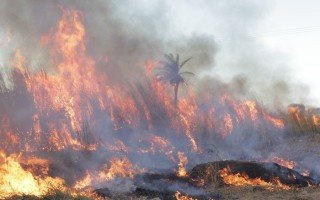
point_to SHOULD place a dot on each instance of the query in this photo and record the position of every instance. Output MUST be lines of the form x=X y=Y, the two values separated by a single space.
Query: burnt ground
x=265 y=171
x=198 y=185
x=162 y=186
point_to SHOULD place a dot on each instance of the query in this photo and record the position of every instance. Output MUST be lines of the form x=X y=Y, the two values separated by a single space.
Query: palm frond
x=177 y=60
x=166 y=64
x=169 y=69
x=170 y=58
x=184 y=62
x=188 y=73
x=169 y=72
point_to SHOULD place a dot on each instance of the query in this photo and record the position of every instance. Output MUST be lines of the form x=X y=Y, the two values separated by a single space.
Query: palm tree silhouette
x=170 y=72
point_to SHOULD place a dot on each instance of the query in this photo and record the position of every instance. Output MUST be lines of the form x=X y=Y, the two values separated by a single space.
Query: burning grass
x=226 y=193
x=76 y=127
x=52 y=195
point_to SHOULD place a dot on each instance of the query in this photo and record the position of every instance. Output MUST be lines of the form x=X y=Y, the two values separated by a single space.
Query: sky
x=287 y=29
x=293 y=27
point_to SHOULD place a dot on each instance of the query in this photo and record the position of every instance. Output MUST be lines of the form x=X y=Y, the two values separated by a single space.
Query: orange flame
x=303 y=118
x=118 y=168
x=276 y=122
x=65 y=100
x=15 y=180
x=182 y=172
x=243 y=179
x=282 y=162
x=179 y=196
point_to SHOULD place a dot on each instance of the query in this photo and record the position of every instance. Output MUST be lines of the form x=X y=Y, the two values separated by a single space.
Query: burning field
x=84 y=126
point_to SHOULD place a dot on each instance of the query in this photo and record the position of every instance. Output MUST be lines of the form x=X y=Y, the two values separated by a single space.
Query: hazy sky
x=287 y=29
x=293 y=27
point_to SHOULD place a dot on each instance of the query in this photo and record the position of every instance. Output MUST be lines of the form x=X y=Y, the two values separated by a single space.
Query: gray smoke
x=215 y=33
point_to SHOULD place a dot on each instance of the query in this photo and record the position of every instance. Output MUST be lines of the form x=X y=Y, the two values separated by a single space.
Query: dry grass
x=258 y=192
x=227 y=193
x=51 y=195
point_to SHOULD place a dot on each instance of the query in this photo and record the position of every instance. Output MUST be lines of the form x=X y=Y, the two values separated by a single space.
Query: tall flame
x=75 y=107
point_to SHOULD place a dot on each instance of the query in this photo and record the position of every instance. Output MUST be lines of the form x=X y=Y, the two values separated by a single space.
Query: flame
x=282 y=162
x=182 y=197
x=73 y=103
x=238 y=179
x=228 y=125
x=243 y=179
x=187 y=113
x=276 y=122
x=252 y=109
x=315 y=119
x=61 y=91
x=303 y=119
x=241 y=113
x=179 y=196
x=118 y=168
x=85 y=182
x=276 y=181
x=182 y=172
x=16 y=180
x=119 y=146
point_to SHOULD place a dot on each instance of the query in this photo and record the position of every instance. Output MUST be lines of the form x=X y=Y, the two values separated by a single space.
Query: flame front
x=243 y=179
x=16 y=180
x=74 y=107
x=303 y=119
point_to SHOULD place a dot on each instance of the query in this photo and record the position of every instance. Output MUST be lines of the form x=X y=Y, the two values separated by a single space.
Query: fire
x=182 y=172
x=16 y=180
x=276 y=181
x=157 y=144
x=243 y=179
x=188 y=110
x=118 y=168
x=85 y=182
x=276 y=122
x=286 y=163
x=252 y=109
x=303 y=119
x=238 y=114
x=179 y=196
x=61 y=91
x=75 y=107
x=228 y=125
x=238 y=179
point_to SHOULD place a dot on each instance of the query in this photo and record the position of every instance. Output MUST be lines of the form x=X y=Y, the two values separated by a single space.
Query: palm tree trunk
x=176 y=86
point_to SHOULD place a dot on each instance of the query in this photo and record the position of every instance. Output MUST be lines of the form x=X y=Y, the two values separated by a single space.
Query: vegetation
x=169 y=72
x=51 y=195
x=261 y=192
x=227 y=193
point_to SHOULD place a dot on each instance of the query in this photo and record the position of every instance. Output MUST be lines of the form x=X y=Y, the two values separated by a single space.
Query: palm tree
x=170 y=72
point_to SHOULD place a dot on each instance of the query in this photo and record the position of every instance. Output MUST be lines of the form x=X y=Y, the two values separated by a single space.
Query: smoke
x=216 y=34
x=122 y=36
